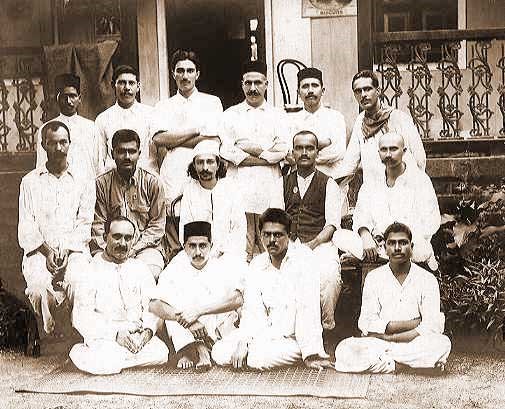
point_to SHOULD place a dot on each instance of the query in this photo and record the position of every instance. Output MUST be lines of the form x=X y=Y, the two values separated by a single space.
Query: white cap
x=206 y=147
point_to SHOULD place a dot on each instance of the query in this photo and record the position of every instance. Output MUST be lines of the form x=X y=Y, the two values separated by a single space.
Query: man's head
x=275 y=226
x=126 y=84
x=305 y=149
x=55 y=139
x=398 y=239
x=206 y=164
x=391 y=149
x=126 y=151
x=119 y=237
x=254 y=82
x=68 y=93
x=198 y=243
x=185 y=67
x=365 y=86
x=310 y=87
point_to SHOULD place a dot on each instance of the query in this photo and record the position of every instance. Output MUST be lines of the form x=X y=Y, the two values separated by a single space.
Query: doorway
x=221 y=32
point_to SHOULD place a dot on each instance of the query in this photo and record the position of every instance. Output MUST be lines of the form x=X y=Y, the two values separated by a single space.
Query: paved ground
x=472 y=380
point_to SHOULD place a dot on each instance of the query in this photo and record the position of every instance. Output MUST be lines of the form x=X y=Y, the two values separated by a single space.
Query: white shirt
x=113 y=297
x=331 y=203
x=222 y=208
x=81 y=152
x=285 y=302
x=138 y=118
x=58 y=211
x=201 y=111
x=366 y=152
x=265 y=126
x=385 y=300
x=326 y=124
x=412 y=201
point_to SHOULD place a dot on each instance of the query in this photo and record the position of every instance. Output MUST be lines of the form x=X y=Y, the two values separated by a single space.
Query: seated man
x=312 y=199
x=400 y=315
x=197 y=297
x=281 y=320
x=111 y=309
x=212 y=198
x=55 y=214
x=406 y=195
x=136 y=193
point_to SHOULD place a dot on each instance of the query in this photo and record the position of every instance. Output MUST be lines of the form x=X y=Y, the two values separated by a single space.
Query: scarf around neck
x=374 y=123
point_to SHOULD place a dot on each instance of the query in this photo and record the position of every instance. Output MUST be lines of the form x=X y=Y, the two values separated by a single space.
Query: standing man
x=126 y=113
x=400 y=315
x=179 y=123
x=55 y=215
x=131 y=191
x=281 y=321
x=81 y=153
x=112 y=309
x=375 y=120
x=311 y=199
x=210 y=197
x=254 y=135
x=198 y=296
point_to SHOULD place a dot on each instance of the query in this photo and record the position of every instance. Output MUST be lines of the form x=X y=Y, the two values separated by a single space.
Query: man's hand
x=188 y=317
x=198 y=330
x=315 y=362
x=250 y=148
x=370 y=251
x=145 y=336
x=312 y=244
x=51 y=262
x=239 y=357
x=384 y=337
x=127 y=339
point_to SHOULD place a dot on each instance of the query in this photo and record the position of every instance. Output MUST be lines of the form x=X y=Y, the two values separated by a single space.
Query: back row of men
x=186 y=140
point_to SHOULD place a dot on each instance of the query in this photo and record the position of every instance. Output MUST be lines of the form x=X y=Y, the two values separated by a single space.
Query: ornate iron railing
x=468 y=74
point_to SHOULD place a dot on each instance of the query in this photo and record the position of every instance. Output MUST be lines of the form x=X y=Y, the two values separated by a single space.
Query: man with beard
x=375 y=120
x=281 y=321
x=198 y=296
x=210 y=197
x=55 y=215
x=254 y=137
x=81 y=154
x=404 y=194
x=111 y=309
x=400 y=317
x=126 y=113
x=310 y=198
x=136 y=193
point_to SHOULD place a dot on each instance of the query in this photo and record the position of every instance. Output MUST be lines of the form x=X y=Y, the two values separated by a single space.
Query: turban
x=206 y=147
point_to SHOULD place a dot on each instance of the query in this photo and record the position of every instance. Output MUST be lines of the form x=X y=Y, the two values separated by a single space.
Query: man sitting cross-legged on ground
x=111 y=309
x=281 y=320
x=400 y=315
x=312 y=199
x=197 y=296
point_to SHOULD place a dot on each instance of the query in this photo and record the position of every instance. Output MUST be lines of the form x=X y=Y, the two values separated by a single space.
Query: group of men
x=110 y=204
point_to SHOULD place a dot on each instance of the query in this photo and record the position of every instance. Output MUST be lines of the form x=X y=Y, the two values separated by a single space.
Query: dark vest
x=307 y=214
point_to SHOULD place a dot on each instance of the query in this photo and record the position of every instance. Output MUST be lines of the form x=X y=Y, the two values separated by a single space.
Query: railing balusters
x=24 y=108
x=4 y=107
x=501 y=89
x=390 y=78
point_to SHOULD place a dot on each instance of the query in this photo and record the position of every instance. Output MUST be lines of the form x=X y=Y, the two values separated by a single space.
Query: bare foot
x=204 y=363
x=184 y=363
x=189 y=356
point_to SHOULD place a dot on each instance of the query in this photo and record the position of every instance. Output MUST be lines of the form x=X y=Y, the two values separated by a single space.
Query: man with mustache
x=81 y=153
x=375 y=120
x=311 y=199
x=112 y=308
x=179 y=123
x=400 y=317
x=210 y=197
x=55 y=215
x=281 y=321
x=136 y=193
x=126 y=113
x=404 y=194
x=254 y=136
x=198 y=296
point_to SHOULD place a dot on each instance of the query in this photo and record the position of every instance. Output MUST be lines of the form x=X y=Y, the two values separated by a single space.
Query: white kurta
x=81 y=152
x=385 y=300
x=281 y=318
x=183 y=286
x=201 y=111
x=265 y=126
x=222 y=208
x=138 y=118
x=365 y=153
x=114 y=297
